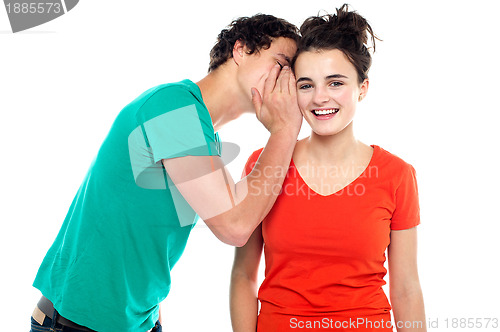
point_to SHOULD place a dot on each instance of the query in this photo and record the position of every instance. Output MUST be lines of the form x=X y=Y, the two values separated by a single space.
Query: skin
x=327 y=80
x=232 y=210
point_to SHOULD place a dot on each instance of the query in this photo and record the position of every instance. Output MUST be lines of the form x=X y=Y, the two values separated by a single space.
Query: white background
x=432 y=101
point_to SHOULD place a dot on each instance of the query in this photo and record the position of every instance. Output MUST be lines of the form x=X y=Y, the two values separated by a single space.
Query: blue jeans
x=50 y=325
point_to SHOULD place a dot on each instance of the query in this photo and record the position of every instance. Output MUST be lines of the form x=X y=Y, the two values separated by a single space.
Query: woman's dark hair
x=254 y=32
x=346 y=31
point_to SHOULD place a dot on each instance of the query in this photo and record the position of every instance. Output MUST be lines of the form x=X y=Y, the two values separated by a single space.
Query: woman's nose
x=321 y=95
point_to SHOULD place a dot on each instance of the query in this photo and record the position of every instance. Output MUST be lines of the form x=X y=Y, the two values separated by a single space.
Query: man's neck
x=222 y=96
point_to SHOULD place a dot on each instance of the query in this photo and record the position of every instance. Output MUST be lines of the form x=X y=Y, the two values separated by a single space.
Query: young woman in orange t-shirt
x=343 y=204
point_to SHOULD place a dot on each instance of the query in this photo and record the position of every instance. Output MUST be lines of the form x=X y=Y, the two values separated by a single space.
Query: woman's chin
x=324 y=132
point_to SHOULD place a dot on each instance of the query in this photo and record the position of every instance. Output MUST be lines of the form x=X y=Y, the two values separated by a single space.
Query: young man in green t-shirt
x=157 y=170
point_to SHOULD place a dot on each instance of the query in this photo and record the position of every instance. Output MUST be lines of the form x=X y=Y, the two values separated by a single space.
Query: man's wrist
x=286 y=133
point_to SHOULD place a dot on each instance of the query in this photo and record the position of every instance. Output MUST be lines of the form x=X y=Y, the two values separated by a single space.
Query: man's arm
x=233 y=210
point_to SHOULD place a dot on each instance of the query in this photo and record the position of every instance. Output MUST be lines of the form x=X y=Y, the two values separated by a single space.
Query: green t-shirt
x=109 y=267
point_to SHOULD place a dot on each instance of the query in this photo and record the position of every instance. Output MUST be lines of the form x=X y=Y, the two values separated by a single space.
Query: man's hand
x=277 y=109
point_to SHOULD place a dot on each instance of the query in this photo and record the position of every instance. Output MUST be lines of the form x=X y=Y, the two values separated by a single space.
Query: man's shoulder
x=174 y=90
x=165 y=98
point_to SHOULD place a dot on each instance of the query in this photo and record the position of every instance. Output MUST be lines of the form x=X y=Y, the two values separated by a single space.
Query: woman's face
x=327 y=90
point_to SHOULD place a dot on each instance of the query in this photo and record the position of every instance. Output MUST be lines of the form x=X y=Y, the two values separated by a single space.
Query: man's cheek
x=262 y=82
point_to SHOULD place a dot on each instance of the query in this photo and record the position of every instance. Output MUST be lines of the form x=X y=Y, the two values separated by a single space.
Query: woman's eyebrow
x=335 y=76
x=329 y=77
x=303 y=79
x=326 y=78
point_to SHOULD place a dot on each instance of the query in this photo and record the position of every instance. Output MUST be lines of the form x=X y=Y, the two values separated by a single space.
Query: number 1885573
x=34 y=8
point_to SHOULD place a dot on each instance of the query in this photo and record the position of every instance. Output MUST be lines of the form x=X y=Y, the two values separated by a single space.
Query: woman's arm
x=243 y=291
x=405 y=292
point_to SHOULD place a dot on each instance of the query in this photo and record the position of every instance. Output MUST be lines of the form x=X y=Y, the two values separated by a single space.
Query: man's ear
x=238 y=51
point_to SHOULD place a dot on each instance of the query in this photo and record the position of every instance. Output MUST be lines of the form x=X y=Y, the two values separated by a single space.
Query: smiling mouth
x=324 y=112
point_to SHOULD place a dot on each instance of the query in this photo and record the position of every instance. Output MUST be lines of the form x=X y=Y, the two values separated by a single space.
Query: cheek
x=347 y=98
x=260 y=77
x=263 y=69
x=303 y=101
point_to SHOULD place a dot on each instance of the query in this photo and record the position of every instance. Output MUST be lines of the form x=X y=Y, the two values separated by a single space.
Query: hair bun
x=350 y=23
x=344 y=24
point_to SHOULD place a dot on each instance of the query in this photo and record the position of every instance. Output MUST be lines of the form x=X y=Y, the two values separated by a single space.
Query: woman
x=343 y=203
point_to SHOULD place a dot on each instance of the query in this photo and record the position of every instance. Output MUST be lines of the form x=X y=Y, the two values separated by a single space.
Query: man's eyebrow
x=285 y=57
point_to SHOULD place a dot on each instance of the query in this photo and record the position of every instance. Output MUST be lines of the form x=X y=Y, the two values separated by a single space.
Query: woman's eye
x=279 y=63
x=305 y=86
x=335 y=84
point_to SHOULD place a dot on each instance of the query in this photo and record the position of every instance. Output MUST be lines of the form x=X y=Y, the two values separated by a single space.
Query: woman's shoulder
x=391 y=163
x=255 y=155
x=251 y=161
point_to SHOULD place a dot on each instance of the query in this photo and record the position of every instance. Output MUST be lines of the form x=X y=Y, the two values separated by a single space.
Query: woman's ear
x=238 y=51
x=363 y=89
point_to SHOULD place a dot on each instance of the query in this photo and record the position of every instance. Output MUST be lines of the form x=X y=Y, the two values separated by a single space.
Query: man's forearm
x=253 y=196
x=264 y=182
x=257 y=192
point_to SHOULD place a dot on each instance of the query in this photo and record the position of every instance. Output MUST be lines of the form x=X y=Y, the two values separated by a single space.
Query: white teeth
x=324 y=112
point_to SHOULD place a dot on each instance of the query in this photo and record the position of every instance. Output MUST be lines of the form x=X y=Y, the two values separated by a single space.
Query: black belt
x=47 y=308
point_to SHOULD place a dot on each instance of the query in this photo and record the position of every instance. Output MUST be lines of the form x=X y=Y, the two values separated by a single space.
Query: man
x=159 y=167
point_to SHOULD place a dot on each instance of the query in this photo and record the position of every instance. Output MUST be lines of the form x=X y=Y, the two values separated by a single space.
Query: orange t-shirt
x=325 y=254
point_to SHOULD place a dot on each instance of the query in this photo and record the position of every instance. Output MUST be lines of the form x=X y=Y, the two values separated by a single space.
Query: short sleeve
x=407 y=212
x=250 y=164
x=176 y=124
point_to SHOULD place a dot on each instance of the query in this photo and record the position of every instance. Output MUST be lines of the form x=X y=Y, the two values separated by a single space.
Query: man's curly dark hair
x=256 y=32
